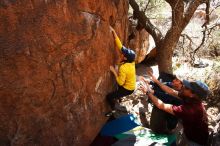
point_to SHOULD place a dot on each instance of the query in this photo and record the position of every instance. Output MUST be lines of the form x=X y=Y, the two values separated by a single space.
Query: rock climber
x=126 y=74
x=192 y=112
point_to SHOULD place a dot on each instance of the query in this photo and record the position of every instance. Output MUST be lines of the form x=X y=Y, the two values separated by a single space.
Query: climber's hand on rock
x=111 y=29
x=112 y=69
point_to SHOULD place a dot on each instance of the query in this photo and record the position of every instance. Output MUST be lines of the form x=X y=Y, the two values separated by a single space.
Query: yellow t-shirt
x=127 y=76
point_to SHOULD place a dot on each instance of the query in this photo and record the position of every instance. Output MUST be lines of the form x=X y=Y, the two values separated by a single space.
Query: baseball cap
x=128 y=53
x=199 y=88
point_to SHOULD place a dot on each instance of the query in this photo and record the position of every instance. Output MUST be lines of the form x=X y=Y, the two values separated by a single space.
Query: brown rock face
x=139 y=42
x=54 y=69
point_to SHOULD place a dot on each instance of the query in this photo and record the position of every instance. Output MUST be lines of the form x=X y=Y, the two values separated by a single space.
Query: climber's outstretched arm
x=117 y=40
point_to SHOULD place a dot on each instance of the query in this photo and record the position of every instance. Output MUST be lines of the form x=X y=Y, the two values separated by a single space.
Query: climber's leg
x=113 y=96
x=124 y=92
x=110 y=98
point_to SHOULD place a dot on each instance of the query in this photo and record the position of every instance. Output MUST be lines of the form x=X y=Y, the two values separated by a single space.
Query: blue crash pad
x=119 y=125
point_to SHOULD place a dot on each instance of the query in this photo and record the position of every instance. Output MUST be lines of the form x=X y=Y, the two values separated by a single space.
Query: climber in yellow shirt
x=126 y=74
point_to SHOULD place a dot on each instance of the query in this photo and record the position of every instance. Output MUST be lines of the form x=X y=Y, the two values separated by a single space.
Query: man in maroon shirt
x=192 y=112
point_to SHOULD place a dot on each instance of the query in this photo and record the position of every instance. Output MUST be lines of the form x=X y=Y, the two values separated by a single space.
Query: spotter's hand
x=153 y=78
x=144 y=79
x=143 y=89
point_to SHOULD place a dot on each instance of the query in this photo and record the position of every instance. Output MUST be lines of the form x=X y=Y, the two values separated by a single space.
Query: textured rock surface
x=54 y=69
x=139 y=42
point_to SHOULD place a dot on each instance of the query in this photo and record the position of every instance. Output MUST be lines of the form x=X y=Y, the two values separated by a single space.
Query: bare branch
x=182 y=46
x=145 y=22
x=203 y=40
x=189 y=38
x=207 y=13
x=192 y=54
x=177 y=7
x=211 y=28
x=214 y=9
x=185 y=36
x=147 y=5
x=190 y=9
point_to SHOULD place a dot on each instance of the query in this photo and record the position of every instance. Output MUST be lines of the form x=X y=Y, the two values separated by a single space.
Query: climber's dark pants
x=119 y=93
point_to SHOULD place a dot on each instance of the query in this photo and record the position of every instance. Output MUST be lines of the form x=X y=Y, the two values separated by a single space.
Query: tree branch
x=189 y=38
x=214 y=9
x=145 y=22
x=190 y=9
x=170 y=1
x=147 y=5
x=207 y=13
x=192 y=54
x=177 y=14
x=211 y=28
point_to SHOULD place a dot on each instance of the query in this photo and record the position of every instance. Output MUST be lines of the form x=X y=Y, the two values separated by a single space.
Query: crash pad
x=119 y=125
x=146 y=136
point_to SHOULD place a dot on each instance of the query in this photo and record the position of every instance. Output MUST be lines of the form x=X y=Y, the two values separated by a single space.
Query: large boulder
x=54 y=69
x=138 y=41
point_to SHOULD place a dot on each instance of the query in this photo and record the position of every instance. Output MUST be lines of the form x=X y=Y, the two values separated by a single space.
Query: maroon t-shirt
x=194 y=119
